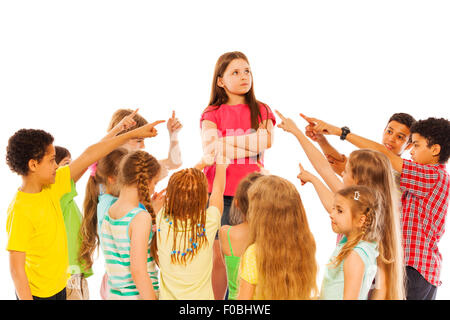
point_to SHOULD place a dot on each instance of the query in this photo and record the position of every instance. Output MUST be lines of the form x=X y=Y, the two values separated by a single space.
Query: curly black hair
x=435 y=131
x=24 y=145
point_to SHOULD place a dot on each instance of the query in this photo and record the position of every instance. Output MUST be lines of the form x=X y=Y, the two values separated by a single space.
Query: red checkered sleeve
x=425 y=192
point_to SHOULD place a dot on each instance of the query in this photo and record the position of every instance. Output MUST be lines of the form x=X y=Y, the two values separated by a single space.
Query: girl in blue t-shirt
x=355 y=213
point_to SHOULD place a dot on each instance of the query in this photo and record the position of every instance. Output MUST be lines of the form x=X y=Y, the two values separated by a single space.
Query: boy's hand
x=319 y=126
x=309 y=132
x=173 y=124
x=338 y=165
x=147 y=131
x=286 y=124
x=304 y=176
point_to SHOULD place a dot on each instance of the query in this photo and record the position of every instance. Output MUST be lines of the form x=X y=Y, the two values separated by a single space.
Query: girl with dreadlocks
x=186 y=231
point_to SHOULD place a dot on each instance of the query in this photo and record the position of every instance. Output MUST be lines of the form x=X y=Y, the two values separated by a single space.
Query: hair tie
x=93 y=168
x=357 y=195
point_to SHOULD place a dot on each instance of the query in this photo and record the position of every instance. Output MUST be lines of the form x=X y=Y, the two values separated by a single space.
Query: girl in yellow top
x=186 y=232
x=280 y=263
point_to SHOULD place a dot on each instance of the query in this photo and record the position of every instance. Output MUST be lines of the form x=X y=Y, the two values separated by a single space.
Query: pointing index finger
x=157 y=122
x=280 y=115
x=134 y=113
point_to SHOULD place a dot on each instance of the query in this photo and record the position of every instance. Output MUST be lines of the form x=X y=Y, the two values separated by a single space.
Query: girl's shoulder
x=367 y=250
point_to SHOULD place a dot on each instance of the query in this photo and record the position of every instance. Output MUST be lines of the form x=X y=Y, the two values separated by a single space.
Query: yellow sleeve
x=62 y=183
x=19 y=229
x=249 y=271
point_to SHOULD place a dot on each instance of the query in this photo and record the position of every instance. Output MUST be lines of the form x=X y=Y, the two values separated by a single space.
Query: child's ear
x=32 y=165
x=408 y=146
x=220 y=82
x=111 y=180
x=436 y=150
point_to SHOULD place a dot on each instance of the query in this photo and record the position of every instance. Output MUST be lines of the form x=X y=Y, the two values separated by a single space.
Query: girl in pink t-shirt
x=239 y=127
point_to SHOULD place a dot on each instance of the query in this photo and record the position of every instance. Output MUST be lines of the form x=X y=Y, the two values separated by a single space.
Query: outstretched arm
x=334 y=157
x=173 y=160
x=316 y=158
x=325 y=194
x=360 y=142
x=216 y=198
x=102 y=148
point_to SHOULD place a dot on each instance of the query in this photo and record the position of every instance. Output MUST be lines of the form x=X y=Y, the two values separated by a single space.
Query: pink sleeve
x=267 y=113
x=209 y=114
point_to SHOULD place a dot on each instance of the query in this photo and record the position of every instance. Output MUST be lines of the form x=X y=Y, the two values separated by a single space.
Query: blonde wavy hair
x=373 y=169
x=285 y=246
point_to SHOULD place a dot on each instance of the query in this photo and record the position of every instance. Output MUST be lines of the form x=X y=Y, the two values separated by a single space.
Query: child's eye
x=247 y=71
x=401 y=137
x=235 y=72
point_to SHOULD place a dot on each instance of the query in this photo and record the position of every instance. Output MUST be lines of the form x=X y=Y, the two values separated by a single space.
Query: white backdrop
x=66 y=66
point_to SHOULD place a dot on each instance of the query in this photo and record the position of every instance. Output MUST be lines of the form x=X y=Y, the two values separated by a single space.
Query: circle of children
x=227 y=228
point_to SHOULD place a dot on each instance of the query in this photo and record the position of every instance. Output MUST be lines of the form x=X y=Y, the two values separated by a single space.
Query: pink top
x=234 y=121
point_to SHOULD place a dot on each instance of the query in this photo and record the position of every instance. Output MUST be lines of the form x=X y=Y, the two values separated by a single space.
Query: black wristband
x=345 y=132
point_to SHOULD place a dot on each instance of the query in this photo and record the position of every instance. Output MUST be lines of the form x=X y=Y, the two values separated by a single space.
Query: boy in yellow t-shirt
x=37 y=241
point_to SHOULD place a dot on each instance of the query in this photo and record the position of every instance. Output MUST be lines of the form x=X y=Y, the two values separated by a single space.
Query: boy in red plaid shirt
x=425 y=185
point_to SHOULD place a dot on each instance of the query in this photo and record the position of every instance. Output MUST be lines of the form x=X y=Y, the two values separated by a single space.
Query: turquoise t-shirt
x=333 y=281
x=72 y=221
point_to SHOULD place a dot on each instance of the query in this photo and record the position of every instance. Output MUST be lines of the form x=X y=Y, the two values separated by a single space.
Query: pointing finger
x=280 y=115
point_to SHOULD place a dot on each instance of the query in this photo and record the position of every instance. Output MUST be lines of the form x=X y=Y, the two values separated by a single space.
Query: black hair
x=435 y=131
x=403 y=118
x=61 y=153
x=25 y=145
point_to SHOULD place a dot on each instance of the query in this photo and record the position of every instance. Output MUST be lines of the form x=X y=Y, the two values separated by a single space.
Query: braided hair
x=139 y=167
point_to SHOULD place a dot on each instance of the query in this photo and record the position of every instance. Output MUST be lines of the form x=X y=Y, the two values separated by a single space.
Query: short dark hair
x=61 y=153
x=435 y=131
x=24 y=145
x=403 y=118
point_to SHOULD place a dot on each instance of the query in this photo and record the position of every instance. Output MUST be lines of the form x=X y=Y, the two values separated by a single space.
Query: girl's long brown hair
x=219 y=96
x=185 y=206
x=373 y=169
x=107 y=167
x=366 y=202
x=239 y=212
x=285 y=246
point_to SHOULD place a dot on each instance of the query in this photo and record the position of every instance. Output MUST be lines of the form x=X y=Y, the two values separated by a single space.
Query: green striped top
x=115 y=244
